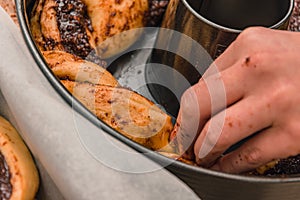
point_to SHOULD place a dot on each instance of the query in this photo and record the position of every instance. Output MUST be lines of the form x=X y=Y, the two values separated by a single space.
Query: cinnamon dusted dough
x=10 y=7
x=110 y=26
x=24 y=176
x=125 y=111
x=107 y=26
x=115 y=23
x=68 y=66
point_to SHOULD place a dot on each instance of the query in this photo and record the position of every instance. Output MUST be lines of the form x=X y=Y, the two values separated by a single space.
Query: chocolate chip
x=285 y=167
x=5 y=185
x=72 y=21
x=294 y=24
x=156 y=10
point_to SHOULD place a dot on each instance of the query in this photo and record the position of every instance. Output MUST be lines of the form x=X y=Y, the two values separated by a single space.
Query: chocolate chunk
x=5 y=185
x=294 y=24
x=285 y=167
x=156 y=10
x=73 y=21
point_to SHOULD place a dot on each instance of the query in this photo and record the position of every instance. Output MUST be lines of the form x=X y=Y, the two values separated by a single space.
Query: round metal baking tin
x=207 y=184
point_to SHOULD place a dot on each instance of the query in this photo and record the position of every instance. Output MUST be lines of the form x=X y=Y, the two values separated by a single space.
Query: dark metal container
x=207 y=184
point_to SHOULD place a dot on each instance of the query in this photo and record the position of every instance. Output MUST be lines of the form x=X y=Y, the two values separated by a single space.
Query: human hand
x=253 y=87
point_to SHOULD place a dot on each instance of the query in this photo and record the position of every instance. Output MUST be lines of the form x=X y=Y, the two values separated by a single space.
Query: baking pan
x=207 y=184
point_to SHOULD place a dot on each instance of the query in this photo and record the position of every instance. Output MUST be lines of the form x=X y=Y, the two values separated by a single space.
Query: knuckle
x=255 y=60
x=189 y=97
x=190 y=103
x=251 y=35
x=186 y=96
x=252 y=31
x=253 y=156
x=259 y=61
x=279 y=97
x=255 y=30
x=256 y=57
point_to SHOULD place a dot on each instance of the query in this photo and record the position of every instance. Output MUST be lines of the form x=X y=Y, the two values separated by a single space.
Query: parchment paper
x=76 y=159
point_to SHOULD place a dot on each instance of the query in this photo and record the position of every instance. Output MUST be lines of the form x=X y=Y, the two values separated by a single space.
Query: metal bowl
x=207 y=184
